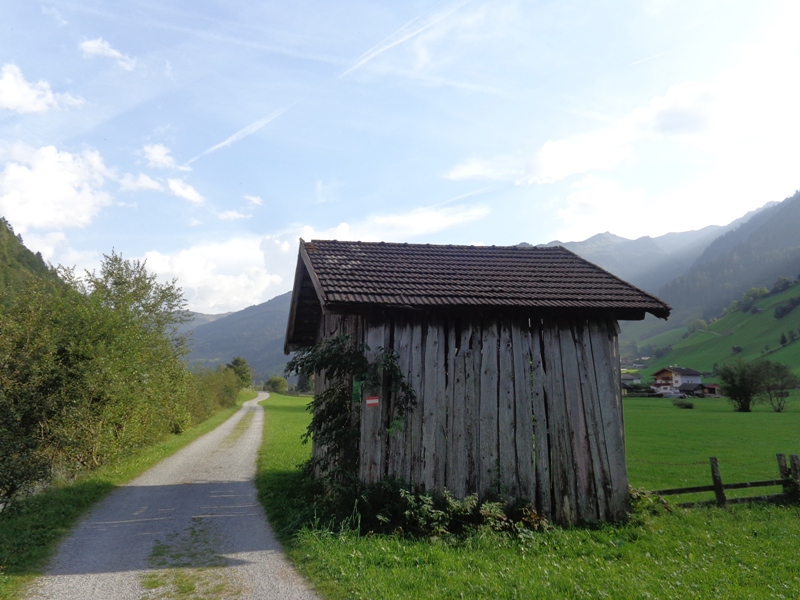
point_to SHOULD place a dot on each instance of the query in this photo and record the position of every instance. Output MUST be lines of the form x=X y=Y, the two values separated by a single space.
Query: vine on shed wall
x=335 y=411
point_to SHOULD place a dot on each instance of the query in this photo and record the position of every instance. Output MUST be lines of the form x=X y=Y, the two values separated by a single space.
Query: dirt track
x=191 y=525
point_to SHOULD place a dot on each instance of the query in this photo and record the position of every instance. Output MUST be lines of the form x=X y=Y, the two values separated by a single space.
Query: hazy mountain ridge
x=647 y=262
x=754 y=254
x=255 y=333
x=197 y=319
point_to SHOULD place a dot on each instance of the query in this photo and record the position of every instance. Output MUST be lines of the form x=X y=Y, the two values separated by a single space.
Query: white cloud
x=494 y=169
x=54 y=14
x=184 y=190
x=420 y=221
x=159 y=156
x=129 y=183
x=223 y=276
x=598 y=204
x=326 y=192
x=232 y=215
x=254 y=200
x=56 y=249
x=19 y=96
x=681 y=114
x=101 y=48
x=229 y=274
x=44 y=188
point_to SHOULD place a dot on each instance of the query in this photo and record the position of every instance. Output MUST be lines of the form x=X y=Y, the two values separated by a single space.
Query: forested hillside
x=769 y=327
x=753 y=255
x=17 y=264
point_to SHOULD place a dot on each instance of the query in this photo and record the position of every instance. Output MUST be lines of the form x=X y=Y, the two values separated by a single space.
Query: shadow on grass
x=284 y=495
x=285 y=409
x=30 y=527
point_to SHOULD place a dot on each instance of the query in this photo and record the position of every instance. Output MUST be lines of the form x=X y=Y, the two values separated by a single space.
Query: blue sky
x=207 y=136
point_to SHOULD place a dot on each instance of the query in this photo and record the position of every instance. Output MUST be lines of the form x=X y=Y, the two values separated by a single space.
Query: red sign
x=373 y=400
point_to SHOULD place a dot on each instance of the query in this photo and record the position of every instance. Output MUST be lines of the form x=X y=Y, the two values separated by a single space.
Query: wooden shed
x=512 y=352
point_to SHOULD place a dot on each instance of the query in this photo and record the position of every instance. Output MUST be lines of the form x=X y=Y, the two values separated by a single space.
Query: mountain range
x=698 y=273
x=651 y=263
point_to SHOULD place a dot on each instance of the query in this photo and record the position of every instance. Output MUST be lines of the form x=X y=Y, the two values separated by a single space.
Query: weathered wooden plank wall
x=519 y=407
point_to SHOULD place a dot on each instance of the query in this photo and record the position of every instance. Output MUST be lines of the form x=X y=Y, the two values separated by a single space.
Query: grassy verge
x=30 y=530
x=741 y=552
x=670 y=447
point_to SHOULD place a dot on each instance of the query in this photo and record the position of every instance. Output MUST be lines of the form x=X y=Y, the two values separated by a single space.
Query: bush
x=391 y=507
x=276 y=384
x=211 y=390
x=784 y=309
x=682 y=403
x=92 y=370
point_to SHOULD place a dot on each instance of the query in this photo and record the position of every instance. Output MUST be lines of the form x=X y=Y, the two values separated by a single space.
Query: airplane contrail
x=244 y=132
x=398 y=37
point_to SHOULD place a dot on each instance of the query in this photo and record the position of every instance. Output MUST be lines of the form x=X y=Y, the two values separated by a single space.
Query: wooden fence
x=789 y=480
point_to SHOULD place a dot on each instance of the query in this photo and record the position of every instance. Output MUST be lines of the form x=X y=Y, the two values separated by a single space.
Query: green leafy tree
x=91 y=369
x=697 y=325
x=750 y=296
x=276 y=384
x=741 y=383
x=776 y=380
x=242 y=370
x=303 y=383
x=781 y=284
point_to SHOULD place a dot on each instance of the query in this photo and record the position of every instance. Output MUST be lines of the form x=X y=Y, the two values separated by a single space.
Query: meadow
x=745 y=551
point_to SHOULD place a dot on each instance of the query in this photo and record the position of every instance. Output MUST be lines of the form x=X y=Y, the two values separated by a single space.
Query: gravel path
x=190 y=527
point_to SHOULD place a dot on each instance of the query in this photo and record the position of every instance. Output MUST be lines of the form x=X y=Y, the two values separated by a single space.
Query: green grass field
x=738 y=552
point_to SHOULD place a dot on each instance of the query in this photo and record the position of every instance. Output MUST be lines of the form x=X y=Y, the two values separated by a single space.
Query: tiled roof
x=357 y=277
x=422 y=275
x=680 y=371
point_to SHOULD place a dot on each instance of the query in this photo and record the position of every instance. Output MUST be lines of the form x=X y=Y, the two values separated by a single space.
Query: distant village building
x=631 y=379
x=677 y=380
x=513 y=355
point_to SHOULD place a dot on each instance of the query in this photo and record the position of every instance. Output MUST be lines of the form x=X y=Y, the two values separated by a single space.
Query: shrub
x=784 y=309
x=276 y=384
x=92 y=370
x=682 y=403
x=392 y=507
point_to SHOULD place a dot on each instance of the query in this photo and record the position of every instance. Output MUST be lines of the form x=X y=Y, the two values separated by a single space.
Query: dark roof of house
x=679 y=371
x=353 y=277
x=690 y=387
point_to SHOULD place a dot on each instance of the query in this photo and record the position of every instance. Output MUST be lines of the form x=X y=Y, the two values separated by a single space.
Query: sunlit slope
x=756 y=334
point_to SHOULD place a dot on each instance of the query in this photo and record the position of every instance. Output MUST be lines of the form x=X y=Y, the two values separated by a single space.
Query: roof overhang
x=306 y=309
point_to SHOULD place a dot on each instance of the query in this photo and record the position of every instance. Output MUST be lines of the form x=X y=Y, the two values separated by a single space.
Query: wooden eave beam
x=303 y=272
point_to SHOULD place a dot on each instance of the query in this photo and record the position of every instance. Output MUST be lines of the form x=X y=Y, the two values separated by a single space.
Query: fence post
x=795 y=460
x=784 y=471
x=716 y=478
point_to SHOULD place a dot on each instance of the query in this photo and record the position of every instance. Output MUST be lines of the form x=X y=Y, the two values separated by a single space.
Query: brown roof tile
x=419 y=275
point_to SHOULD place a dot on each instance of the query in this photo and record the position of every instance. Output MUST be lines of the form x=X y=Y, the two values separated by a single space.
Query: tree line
x=91 y=368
